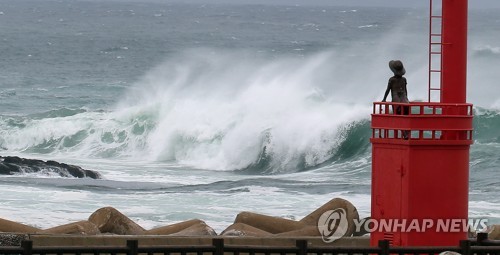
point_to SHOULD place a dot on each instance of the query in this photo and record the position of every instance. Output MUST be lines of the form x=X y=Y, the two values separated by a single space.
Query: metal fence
x=481 y=246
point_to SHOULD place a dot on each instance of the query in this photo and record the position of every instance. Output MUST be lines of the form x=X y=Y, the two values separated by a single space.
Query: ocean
x=206 y=110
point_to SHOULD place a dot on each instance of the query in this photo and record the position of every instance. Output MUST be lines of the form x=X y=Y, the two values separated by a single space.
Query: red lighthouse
x=420 y=184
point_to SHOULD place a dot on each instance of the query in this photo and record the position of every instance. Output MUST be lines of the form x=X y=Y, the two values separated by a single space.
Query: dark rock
x=7 y=169
x=13 y=160
x=92 y=174
x=14 y=165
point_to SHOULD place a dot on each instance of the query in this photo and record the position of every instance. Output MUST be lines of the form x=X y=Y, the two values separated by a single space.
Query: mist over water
x=221 y=110
x=231 y=110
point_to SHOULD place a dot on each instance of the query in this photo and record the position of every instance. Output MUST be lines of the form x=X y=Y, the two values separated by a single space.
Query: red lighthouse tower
x=420 y=184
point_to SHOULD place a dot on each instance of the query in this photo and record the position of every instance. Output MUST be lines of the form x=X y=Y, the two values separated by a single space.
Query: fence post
x=302 y=246
x=384 y=247
x=481 y=237
x=465 y=247
x=27 y=246
x=219 y=246
x=133 y=247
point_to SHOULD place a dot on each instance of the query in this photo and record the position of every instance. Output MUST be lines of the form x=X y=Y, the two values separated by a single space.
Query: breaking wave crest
x=221 y=111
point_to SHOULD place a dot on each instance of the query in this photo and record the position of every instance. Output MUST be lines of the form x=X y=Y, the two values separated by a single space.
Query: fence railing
x=481 y=246
x=422 y=122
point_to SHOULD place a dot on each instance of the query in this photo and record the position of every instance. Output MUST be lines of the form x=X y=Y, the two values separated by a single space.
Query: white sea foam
x=225 y=110
x=218 y=110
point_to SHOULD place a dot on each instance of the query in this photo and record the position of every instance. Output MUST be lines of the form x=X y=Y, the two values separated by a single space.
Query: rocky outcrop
x=16 y=165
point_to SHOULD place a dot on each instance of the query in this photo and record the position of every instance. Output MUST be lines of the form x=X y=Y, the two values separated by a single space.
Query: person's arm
x=387 y=91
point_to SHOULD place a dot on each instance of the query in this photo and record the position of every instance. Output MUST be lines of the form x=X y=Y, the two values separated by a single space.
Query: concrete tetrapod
x=80 y=228
x=193 y=227
x=351 y=214
x=271 y=224
x=241 y=229
x=110 y=220
x=14 y=227
x=494 y=233
x=255 y=224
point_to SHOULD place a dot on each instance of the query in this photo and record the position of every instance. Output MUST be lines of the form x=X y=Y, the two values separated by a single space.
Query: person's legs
x=406 y=110
x=398 y=109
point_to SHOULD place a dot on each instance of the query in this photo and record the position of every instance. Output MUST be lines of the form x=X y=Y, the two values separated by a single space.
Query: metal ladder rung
x=435 y=39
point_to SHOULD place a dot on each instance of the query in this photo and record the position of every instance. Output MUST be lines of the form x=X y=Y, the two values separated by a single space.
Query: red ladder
x=435 y=47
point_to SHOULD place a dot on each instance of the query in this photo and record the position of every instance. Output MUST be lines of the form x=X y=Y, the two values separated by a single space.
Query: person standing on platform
x=397 y=87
